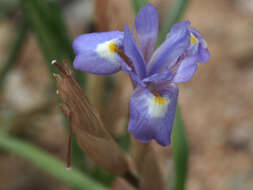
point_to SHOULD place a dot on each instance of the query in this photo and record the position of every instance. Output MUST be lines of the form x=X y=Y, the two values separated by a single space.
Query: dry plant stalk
x=147 y=163
x=88 y=128
x=101 y=15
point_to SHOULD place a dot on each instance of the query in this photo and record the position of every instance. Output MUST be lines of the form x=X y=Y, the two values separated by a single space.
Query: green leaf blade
x=180 y=152
x=43 y=160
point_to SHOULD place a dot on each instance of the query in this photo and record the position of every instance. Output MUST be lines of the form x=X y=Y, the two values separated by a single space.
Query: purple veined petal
x=132 y=52
x=152 y=117
x=159 y=78
x=95 y=52
x=90 y=41
x=146 y=24
x=175 y=45
x=185 y=70
x=202 y=51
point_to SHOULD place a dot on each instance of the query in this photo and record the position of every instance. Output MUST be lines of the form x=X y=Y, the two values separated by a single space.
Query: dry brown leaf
x=88 y=128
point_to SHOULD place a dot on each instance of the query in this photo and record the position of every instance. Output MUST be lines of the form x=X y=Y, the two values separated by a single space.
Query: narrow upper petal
x=132 y=52
x=199 y=46
x=152 y=117
x=175 y=45
x=95 y=52
x=146 y=24
x=185 y=70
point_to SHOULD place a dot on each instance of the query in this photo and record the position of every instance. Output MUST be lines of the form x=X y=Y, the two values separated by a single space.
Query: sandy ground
x=217 y=103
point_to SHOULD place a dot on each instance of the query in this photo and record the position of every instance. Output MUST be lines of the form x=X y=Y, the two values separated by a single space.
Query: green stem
x=73 y=178
x=180 y=152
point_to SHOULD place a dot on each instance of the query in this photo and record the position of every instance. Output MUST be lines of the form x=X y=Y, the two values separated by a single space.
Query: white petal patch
x=106 y=50
x=157 y=106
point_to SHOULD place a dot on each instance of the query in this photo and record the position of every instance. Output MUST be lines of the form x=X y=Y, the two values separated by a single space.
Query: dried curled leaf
x=87 y=126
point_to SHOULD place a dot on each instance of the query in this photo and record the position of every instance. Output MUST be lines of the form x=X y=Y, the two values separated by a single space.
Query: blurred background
x=216 y=104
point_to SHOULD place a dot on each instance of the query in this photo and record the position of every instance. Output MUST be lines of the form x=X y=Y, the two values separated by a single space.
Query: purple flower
x=153 y=73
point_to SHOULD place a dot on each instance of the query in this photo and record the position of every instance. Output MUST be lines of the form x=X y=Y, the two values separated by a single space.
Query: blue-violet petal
x=152 y=117
x=146 y=24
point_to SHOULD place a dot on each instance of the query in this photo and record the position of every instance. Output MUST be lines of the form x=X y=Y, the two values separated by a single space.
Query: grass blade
x=46 y=20
x=43 y=160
